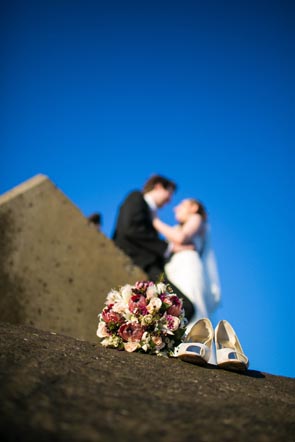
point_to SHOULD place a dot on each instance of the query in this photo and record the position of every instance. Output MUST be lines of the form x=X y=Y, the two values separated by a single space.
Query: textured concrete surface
x=55 y=268
x=56 y=388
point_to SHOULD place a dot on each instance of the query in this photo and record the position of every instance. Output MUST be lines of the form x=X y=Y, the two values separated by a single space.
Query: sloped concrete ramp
x=55 y=268
x=57 y=388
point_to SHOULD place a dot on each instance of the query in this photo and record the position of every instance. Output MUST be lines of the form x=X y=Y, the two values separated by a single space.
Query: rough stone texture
x=56 y=388
x=55 y=268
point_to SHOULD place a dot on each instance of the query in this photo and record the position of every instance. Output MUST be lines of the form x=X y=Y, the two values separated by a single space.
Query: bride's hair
x=201 y=208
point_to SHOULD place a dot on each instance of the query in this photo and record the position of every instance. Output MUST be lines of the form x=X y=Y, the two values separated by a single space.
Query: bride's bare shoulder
x=193 y=224
x=194 y=219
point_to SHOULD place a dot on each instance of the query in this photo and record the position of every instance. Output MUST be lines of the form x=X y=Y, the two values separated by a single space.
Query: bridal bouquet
x=145 y=317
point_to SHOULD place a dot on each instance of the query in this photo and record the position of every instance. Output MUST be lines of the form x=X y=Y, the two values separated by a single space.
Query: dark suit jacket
x=135 y=234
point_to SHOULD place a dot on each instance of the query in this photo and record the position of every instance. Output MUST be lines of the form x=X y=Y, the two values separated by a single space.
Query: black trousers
x=155 y=274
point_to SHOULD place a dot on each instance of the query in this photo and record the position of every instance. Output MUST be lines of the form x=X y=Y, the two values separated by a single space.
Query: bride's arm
x=180 y=235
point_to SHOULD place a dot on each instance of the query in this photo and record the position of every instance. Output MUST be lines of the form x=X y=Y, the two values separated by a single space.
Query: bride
x=194 y=272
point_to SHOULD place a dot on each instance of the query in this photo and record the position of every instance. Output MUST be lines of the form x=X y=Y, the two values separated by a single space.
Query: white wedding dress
x=195 y=273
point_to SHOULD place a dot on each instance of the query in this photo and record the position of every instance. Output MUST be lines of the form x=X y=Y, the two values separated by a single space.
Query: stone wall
x=55 y=268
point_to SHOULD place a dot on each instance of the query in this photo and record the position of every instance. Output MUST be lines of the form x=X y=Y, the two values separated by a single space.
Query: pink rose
x=102 y=330
x=176 y=307
x=154 y=305
x=166 y=299
x=131 y=332
x=172 y=322
x=130 y=346
x=137 y=304
x=108 y=315
x=158 y=341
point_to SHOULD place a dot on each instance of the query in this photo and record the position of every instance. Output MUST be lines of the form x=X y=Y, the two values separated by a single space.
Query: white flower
x=154 y=305
x=145 y=339
x=119 y=307
x=131 y=317
x=112 y=341
x=113 y=296
x=151 y=291
x=147 y=319
x=161 y=287
x=121 y=299
x=126 y=292
x=106 y=342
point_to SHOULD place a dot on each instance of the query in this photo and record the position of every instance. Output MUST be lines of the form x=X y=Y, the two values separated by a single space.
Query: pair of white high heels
x=197 y=346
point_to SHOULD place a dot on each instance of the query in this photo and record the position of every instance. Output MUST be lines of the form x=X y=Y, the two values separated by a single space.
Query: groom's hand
x=181 y=247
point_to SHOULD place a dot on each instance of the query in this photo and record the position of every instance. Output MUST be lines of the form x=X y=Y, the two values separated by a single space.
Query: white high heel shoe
x=229 y=352
x=197 y=345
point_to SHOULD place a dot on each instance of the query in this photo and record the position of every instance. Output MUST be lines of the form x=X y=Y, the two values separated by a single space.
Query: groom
x=136 y=236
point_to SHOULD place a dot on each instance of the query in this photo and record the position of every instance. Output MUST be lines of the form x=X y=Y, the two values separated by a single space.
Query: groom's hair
x=158 y=179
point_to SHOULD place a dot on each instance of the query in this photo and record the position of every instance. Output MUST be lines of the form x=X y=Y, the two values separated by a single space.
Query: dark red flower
x=137 y=304
x=131 y=332
x=108 y=315
x=176 y=307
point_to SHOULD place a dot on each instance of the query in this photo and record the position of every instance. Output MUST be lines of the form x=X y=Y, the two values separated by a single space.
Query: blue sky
x=98 y=95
